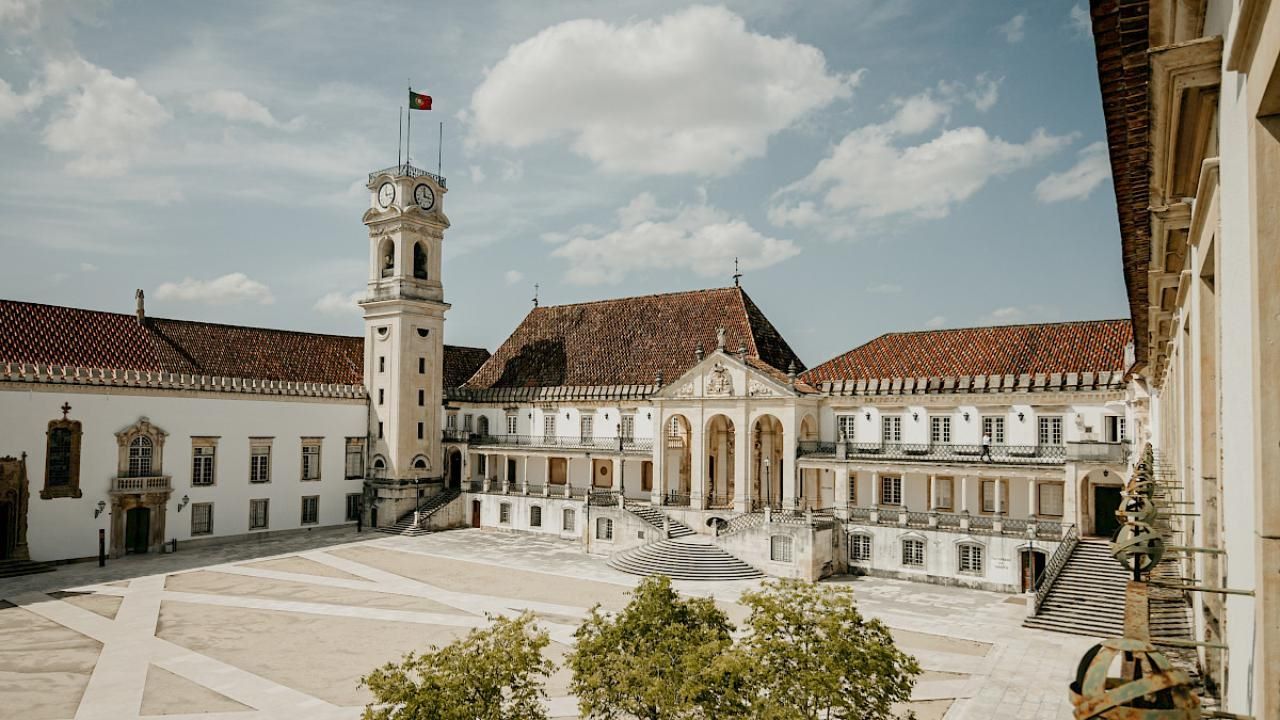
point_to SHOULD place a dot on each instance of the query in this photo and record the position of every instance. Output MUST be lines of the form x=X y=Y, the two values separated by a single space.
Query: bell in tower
x=404 y=312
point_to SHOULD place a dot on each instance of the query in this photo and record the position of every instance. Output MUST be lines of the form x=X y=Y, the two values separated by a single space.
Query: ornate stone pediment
x=719 y=382
x=724 y=375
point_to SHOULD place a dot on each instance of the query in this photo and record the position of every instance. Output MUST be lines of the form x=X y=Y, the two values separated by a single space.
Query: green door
x=137 y=528
x=1106 y=500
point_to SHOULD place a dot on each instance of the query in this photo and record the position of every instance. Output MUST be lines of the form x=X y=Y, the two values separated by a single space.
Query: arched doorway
x=455 y=470
x=718 y=482
x=766 y=461
x=8 y=528
x=1099 y=499
x=1032 y=563
x=678 y=462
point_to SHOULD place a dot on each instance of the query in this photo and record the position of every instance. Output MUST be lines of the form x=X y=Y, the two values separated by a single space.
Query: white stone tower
x=404 y=334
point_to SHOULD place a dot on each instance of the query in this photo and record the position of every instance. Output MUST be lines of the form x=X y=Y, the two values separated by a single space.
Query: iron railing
x=935 y=452
x=759 y=504
x=1055 y=565
x=719 y=502
x=603 y=498
x=675 y=499
x=590 y=444
x=407 y=170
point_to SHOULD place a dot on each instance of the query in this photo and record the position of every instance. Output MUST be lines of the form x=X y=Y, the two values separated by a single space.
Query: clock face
x=386 y=194
x=424 y=196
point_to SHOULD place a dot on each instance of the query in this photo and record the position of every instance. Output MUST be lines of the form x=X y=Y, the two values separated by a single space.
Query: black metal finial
x=535 y=294
x=66 y=410
x=737 y=275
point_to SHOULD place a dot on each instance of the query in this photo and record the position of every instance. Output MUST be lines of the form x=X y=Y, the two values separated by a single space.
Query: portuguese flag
x=418 y=101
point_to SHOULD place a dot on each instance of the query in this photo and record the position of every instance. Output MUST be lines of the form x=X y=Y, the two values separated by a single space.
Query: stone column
x=659 y=457
x=964 y=493
x=1031 y=497
x=697 y=460
x=616 y=480
x=933 y=491
x=842 y=492
x=876 y=500
x=741 y=465
x=999 y=500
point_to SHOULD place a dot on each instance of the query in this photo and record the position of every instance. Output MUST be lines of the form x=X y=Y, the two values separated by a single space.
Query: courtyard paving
x=284 y=628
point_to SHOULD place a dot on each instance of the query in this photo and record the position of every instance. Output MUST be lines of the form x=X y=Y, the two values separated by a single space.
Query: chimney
x=142 y=310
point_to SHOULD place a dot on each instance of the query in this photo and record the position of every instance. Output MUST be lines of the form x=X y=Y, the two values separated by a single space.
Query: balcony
x=627 y=446
x=1116 y=453
x=1038 y=528
x=141 y=485
x=933 y=452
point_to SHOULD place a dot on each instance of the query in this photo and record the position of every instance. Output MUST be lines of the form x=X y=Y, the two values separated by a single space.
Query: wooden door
x=1106 y=501
x=137 y=529
x=475 y=513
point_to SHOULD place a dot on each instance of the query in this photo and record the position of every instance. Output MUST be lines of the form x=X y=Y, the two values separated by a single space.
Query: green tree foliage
x=663 y=657
x=809 y=654
x=497 y=673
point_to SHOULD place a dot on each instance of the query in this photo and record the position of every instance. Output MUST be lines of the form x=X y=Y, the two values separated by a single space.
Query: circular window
x=423 y=332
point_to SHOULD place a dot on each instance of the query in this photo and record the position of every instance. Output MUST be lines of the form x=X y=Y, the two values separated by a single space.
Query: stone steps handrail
x=1054 y=567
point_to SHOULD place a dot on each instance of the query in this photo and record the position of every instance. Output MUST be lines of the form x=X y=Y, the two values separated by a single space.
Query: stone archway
x=766 y=462
x=121 y=504
x=15 y=492
x=678 y=463
x=1098 y=489
x=719 y=447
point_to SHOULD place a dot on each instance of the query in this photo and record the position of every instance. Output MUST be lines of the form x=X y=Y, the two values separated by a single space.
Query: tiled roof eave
x=553 y=393
x=977 y=384
x=177 y=382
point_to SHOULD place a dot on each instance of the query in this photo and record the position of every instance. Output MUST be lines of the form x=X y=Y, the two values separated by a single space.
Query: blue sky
x=877 y=166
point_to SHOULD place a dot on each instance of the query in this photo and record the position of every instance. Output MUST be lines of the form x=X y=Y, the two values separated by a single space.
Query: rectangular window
x=504 y=513
x=891 y=429
x=259 y=514
x=586 y=428
x=853 y=488
x=421 y=430
x=987 y=491
x=604 y=529
x=422 y=398
x=568 y=520
x=946 y=488
x=380 y=433
x=890 y=491
x=355 y=458
x=940 y=430
x=466 y=422
x=780 y=548
x=203 y=454
x=1114 y=425
x=451 y=421
x=860 y=548
x=845 y=427
x=259 y=461
x=422 y=366
x=627 y=430
x=511 y=424
x=970 y=559
x=481 y=464
x=311 y=460
x=382 y=396
x=382 y=363
x=535 y=516
x=557 y=471
x=310 y=509
x=913 y=552
x=201 y=518
x=353 y=507
x=1049 y=499
x=549 y=425
x=993 y=427
x=1051 y=430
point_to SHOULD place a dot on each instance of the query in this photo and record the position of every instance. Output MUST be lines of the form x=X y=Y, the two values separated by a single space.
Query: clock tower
x=404 y=311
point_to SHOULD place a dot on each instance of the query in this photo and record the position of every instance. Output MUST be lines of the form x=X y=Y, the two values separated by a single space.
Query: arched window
x=419 y=262
x=420 y=464
x=970 y=558
x=860 y=548
x=387 y=257
x=62 y=458
x=568 y=520
x=140 y=456
x=379 y=463
x=482 y=426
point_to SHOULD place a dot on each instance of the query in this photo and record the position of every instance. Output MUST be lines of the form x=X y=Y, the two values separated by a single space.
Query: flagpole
x=408 y=140
x=399 y=134
x=440 y=151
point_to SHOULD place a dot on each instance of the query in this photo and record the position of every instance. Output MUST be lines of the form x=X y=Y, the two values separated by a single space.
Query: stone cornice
x=978 y=384
x=159 y=381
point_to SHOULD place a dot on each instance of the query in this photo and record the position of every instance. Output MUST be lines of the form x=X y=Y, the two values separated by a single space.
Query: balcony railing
x=1102 y=452
x=146 y=484
x=958 y=522
x=934 y=452
x=407 y=170
x=634 y=446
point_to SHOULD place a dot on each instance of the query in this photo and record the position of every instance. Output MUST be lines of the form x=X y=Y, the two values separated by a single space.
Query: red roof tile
x=1090 y=346
x=628 y=341
x=54 y=335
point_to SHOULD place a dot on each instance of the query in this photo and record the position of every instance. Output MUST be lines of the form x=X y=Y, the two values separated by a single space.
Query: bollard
x=102 y=547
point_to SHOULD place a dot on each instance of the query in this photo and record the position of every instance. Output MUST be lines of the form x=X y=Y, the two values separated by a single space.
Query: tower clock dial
x=424 y=196
x=386 y=195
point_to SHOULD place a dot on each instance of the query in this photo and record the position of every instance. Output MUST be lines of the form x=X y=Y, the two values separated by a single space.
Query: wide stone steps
x=15 y=568
x=1088 y=596
x=656 y=518
x=405 y=525
x=683 y=560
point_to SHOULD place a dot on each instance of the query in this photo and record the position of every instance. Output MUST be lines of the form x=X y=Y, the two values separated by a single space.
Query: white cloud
x=1091 y=170
x=88 y=267
x=226 y=290
x=885 y=289
x=339 y=303
x=107 y=121
x=236 y=107
x=512 y=276
x=1079 y=21
x=697 y=238
x=512 y=170
x=477 y=174
x=919 y=113
x=12 y=103
x=1014 y=30
x=693 y=92
x=985 y=94
x=935 y=322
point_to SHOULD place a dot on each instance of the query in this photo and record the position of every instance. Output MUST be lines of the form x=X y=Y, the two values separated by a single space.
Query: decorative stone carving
x=719 y=383
x=685 y=390
x=15 y=491
x=755 y=388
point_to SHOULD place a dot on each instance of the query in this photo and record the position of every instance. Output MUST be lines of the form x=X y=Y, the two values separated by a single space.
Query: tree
x=495 y=673
x=810 y=654
x=660 y=658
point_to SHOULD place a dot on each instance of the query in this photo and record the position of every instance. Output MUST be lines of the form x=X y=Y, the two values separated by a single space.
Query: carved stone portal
x=15 y=492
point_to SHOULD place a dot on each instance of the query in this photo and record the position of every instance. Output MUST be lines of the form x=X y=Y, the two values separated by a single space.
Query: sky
x=875 y=165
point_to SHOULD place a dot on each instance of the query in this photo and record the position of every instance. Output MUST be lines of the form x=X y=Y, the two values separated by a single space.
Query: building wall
x=1001 y=567
x=65 y=528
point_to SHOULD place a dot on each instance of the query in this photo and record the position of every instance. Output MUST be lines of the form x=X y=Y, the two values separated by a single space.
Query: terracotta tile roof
x=54 y=335
x=628 y=341
x=1090 y=346
x=1121 y=41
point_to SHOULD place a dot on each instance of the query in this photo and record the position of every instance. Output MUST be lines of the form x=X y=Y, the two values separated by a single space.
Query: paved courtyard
x=285 y=628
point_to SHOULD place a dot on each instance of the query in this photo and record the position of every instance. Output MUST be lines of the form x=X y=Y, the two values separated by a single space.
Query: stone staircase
x=14 y=568
x=1088 y=596
x=689 y=558
x=405 y=525
x=656 y=518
